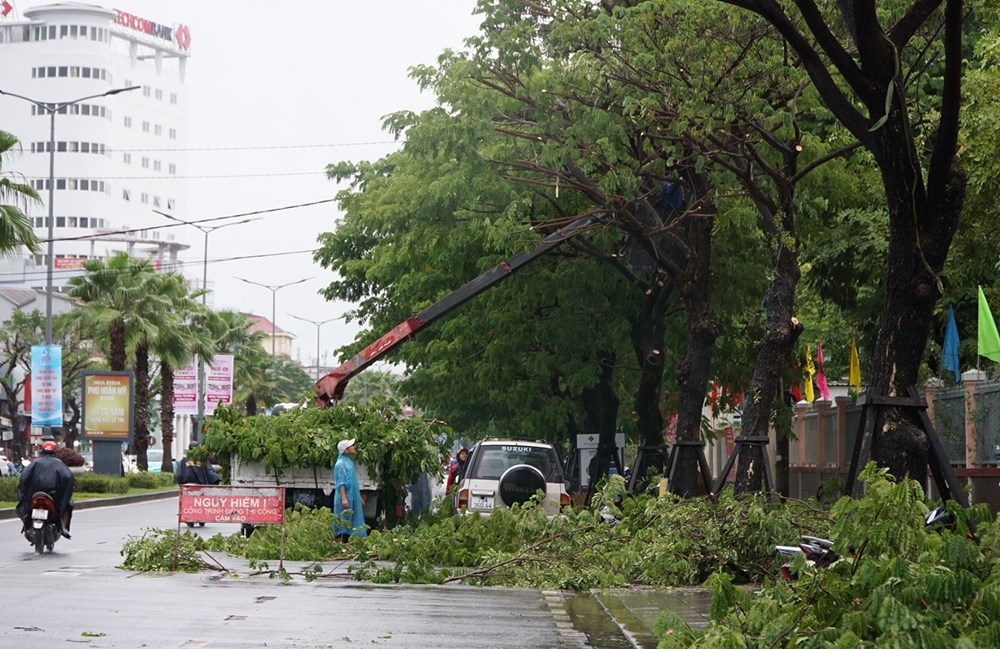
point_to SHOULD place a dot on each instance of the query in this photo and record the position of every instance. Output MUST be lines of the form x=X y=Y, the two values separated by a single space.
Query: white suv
x=500 y=473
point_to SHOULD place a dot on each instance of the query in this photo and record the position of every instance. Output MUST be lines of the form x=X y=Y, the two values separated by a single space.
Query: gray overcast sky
x=283 y=74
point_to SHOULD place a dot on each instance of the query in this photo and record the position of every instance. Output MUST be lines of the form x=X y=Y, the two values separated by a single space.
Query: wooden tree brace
x=873 y=417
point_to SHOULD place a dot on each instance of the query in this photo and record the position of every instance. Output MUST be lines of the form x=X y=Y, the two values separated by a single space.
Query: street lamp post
x=274 y=292
x=206 y=230
x=318 y=324
x=52 y=109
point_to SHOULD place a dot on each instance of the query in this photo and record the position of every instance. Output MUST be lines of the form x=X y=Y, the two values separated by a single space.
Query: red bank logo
x=183 y=36
x=182 y=33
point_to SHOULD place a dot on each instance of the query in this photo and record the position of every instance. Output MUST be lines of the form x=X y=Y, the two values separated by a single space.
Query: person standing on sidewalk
x=348 y=506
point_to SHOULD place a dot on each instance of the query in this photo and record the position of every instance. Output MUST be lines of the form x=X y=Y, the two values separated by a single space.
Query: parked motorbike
x=45 y=528
x=819 y=552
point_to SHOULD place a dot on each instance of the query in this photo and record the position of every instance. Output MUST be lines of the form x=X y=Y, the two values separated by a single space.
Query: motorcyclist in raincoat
x=191 y=471
x=47 y=473
x=348 y=506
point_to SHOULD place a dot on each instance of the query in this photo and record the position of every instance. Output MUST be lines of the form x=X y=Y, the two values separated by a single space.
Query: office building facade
x=118 y=159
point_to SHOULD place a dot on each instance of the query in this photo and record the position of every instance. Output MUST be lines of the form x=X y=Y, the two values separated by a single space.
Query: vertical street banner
x=219 y=382
x=107 y=405
x=46 y=383
x=186 y=389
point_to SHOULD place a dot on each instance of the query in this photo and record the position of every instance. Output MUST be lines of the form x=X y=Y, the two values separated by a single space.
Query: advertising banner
x=46 y=385
x=219 y=383
x=107 y=405
x=186 y=389
x=218 y=386
x=226 y=504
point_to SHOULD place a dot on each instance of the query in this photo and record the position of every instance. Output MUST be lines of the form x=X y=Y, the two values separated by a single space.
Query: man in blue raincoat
x=348 y=507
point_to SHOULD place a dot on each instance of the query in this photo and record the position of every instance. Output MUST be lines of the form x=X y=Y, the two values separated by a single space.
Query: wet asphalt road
x=76 y=597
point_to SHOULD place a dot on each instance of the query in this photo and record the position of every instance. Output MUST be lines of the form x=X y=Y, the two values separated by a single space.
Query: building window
x=145 y=91
x=173 y=98
x=127 y=158
x=63 y=70
x=172 y=169
x=144 y=198
x=60 y=221
x=74 y=31
x=128 y=122
x=145 y=127
x=156 y=201
x=156 y=165
x=157 y=129
x=173 y=134
x=126 y=195
x=63 y=31
x=145 y=163
x=158 y=94
x=170 y=203
x=72 y=221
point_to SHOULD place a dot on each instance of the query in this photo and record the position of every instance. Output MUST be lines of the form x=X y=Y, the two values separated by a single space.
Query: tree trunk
x=772 y=356
x=140 y=438
x=692 y=372
x=648 y=331
x=601 y=406
x=167 y=414
x=917 y=253
x=116 y=340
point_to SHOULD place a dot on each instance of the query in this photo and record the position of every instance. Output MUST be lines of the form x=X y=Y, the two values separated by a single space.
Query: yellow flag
x=810 y=371
x=854 y=376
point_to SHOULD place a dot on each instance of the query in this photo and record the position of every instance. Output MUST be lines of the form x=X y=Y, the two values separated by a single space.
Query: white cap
x=344 y=445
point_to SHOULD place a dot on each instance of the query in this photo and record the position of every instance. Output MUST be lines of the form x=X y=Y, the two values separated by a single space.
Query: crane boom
x=330 y=388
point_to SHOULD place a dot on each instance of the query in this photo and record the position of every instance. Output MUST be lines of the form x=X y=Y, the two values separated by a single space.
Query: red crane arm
x=331 y=387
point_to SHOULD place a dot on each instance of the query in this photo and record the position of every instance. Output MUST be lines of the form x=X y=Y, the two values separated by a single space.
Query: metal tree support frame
x=671 y=461
x=743 y=444
x=872 y=417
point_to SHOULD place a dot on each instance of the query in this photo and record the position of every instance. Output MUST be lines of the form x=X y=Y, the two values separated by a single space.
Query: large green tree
x=866 y=60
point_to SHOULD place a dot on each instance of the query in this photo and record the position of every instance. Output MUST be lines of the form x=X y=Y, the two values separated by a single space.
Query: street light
x=318 y=325
x=206 y=230
x=274 y=292
x=52 y=109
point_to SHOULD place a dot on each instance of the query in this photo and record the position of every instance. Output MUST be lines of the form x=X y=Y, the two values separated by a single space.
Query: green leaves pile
x=896 y=584
x=658 y=542
x=394 y=448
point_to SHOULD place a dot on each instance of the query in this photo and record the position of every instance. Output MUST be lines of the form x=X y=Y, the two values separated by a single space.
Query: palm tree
x=108 y=297
x=15 y=226
x=181 y=336
x=232 y=335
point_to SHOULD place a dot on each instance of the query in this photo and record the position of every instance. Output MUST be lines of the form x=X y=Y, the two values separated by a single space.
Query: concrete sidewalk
x=635 y=610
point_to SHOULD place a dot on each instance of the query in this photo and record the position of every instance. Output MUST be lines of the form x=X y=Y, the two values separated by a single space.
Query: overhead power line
x=87 y=237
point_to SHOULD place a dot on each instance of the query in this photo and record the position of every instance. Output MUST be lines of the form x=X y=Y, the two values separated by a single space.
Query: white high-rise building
x=118 y=158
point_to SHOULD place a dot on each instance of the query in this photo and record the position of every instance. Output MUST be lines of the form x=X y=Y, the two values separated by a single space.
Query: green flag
x=989 y=339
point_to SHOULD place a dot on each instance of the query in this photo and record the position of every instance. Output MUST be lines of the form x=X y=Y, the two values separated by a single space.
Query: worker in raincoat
x=348 y=506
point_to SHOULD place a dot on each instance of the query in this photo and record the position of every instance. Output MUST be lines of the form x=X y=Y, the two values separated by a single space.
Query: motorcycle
x=819 y=552
x=45 y=528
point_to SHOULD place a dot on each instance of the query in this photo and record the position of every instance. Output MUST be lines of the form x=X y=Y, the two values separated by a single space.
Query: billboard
x=46 y=385
x=107 y=405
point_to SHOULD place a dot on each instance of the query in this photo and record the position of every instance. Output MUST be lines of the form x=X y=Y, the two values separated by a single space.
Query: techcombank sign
x=181 y=33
